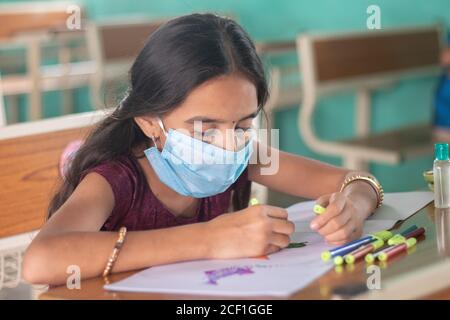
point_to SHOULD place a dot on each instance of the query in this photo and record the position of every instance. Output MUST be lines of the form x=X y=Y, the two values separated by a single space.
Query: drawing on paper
x=214 y=275
x=297 y=245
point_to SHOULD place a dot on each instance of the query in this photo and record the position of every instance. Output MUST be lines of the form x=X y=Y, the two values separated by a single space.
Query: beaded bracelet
x=115 y=253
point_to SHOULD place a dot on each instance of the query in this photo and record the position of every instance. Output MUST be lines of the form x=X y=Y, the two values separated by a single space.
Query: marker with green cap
x=400 y=237
x=338 y=260
x=318 y=209
x=355 y=244
x=395 y=250
x=354 y=256
x=371 y=257
x=397 y=239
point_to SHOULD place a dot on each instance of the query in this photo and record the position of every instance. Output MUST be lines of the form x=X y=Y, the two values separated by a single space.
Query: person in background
x=442 y=97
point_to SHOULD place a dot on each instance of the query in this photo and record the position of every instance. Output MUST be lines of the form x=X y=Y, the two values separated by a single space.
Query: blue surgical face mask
x=195 y=168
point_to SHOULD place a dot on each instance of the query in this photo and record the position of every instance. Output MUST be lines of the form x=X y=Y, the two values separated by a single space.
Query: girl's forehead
x=228 y=98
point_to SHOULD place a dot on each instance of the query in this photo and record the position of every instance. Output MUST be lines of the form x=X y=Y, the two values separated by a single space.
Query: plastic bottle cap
x=441 y=151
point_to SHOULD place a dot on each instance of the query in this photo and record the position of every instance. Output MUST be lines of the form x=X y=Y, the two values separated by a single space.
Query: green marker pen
x=397 y=239
x=395 y=250
x=361 y=252
x=338 y=260
x=355 y=244
x=318 y=209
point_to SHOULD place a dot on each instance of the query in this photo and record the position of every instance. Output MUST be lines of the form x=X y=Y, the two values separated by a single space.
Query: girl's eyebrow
x=209 y=120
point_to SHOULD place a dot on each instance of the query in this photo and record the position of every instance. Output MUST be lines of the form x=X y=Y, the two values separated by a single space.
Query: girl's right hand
x=254 y=231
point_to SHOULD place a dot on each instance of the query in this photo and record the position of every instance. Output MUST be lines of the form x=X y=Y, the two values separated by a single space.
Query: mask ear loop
x=163 y=129
x=162 y=126
x=154 y=142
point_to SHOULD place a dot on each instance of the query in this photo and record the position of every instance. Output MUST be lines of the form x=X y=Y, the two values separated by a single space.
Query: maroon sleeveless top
x=137 y=208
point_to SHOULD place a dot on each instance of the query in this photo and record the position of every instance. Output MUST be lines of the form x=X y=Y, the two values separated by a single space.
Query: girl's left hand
x=342 y=221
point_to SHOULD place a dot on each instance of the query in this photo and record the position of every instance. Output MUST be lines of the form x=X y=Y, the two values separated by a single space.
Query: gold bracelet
x=115 y=253
x=373 y=183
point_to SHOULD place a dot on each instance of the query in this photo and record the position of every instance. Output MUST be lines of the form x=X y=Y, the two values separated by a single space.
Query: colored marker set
x=382 y=245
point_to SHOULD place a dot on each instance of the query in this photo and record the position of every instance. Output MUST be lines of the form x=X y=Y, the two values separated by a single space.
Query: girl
x=199 y=67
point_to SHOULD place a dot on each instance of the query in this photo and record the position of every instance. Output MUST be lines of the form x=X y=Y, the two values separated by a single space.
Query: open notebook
x=279 y=274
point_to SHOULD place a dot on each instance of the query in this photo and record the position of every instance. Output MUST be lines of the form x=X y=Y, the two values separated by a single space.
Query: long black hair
x=179 y=56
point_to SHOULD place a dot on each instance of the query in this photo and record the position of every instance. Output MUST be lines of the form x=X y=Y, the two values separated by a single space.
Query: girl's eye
x=212 y=135
x=206 y=136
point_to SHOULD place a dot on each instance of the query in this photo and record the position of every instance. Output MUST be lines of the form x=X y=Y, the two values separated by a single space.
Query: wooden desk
x=427 y=251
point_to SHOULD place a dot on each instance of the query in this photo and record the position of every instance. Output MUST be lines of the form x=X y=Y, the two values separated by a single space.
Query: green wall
x=406 y=103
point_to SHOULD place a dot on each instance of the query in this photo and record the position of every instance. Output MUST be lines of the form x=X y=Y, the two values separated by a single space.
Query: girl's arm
x=71 y=237
x=300 y=176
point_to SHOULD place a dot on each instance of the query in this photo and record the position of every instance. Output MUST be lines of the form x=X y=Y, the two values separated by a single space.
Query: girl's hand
x=342 y=221
x=255 y=231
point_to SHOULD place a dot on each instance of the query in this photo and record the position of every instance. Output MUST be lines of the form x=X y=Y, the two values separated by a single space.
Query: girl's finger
x=276 y=212
x=272 y=249
x=323 y=200
x=283 y=226
x=336 y=243
x=280 y=240
x=336 y=223
x=334 y=208
x=346 y=233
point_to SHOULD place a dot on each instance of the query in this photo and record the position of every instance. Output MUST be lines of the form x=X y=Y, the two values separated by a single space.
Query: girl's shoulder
x=116 y=171
x=123 y=176
x=123 y=163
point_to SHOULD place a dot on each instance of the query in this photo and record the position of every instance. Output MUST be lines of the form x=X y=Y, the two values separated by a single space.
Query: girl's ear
x=149 y=126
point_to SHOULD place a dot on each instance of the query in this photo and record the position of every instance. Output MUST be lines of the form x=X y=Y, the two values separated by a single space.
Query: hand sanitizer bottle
x=441 y=173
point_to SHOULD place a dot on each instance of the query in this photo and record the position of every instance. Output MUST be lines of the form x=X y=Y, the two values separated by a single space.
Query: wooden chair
x=365 y=61
x=29 y=160
x=22 y=17
x=29 y=172
x=2 y=105
x=113 y=46
x=281 y=95
x=30 y=25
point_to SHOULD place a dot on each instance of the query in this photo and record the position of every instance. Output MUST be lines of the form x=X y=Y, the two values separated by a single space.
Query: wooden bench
x=29 y=167
x=363 y=62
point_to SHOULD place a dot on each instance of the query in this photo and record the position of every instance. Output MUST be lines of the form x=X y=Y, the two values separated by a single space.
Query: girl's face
x=214 y=112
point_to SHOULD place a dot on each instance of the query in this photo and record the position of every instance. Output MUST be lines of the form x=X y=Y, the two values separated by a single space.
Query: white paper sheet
x=281 y=274
x=402 y=205
x=396 y=206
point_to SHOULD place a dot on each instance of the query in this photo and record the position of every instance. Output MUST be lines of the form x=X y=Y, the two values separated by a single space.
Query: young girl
x=199 y=67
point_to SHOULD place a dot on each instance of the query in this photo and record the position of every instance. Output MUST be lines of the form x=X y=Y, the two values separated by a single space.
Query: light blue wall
x=406 y=103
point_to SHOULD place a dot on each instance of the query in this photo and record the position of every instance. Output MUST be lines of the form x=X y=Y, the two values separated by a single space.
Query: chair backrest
x=114 y=58
x=367 y=59
x=29 y=167
x=2 y=105
x=22 y=17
